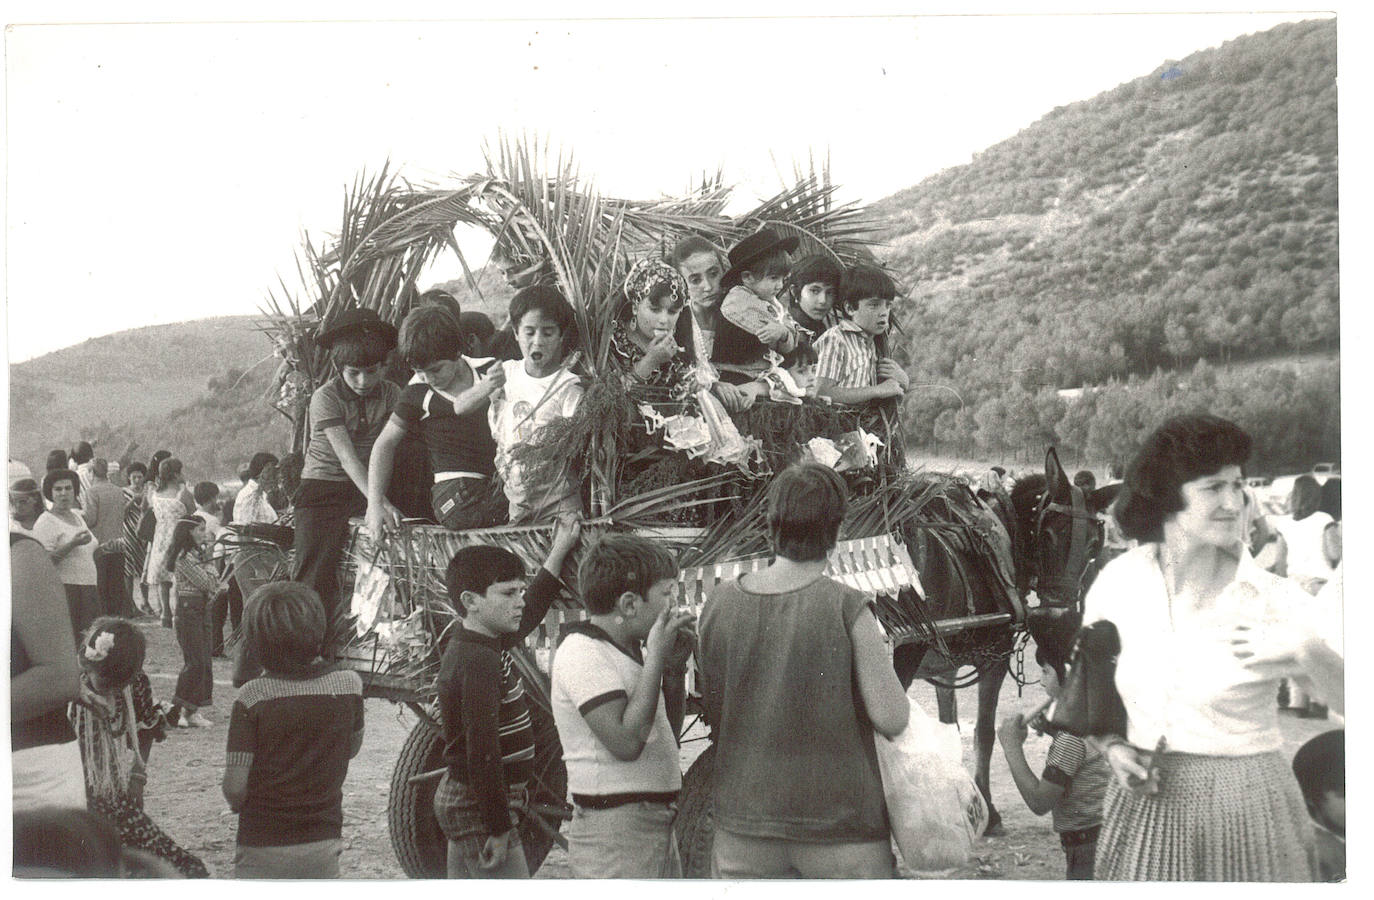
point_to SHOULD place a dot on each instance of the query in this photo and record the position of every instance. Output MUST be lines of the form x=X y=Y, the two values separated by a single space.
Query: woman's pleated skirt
x=1215 y=818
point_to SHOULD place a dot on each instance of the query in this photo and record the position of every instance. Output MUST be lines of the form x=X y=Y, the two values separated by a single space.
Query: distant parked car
x=1258 y=481
x=1324 y=470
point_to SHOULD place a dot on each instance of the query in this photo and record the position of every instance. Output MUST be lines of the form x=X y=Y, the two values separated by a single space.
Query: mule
x=1048 y=548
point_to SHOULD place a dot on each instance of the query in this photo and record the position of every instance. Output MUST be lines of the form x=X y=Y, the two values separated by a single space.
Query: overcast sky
x=157 y=173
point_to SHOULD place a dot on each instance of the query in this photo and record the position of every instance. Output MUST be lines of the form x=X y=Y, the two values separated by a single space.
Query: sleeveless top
x=52 y=726
x=795 y=758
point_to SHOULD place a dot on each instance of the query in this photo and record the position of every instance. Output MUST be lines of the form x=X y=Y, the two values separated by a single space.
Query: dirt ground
x=183 y=793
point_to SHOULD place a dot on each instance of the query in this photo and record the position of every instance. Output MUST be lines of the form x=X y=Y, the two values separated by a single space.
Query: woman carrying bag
x=1200 y=789
x=796 y=680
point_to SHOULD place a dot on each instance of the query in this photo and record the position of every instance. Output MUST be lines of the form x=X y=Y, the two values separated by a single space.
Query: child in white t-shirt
x=538 y=390
x=618 y=708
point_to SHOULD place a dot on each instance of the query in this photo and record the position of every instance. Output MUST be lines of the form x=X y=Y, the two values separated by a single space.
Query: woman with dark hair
x=69 y=541
x=251 y=504
x=135 y=551
x=196 y=585
x=167 y=506
x=1201 y=789
x=792 y=659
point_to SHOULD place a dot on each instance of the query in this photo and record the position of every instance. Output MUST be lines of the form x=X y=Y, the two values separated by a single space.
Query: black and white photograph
x=721 y=442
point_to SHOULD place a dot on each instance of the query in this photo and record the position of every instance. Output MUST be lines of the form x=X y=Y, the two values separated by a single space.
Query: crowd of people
x=786 y=657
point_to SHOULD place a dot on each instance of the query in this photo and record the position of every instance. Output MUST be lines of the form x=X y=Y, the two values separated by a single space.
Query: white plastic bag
x=935 y=809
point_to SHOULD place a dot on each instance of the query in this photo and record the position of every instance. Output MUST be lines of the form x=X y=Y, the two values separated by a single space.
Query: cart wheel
x=695 y=825
x=420 y=846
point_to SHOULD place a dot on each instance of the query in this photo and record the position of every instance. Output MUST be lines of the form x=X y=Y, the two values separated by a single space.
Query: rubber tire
x=421 y=848
x=695 y=822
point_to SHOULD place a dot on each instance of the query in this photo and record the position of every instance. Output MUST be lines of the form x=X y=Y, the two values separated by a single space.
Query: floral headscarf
x=648 y=274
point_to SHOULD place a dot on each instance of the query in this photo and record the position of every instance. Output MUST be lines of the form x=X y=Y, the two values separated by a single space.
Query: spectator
x=69 y=541
x=84 y=458
x=135 y=550
x=1073 y=782
x=167 y=506
x=791 y=659
x=1200 y=789
x=1303 y=530
x=251 y=505
x=104 y=511
x=44 y=759
x=477 y=331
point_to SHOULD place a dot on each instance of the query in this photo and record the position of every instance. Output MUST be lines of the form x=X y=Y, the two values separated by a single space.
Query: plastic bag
x=935 y=809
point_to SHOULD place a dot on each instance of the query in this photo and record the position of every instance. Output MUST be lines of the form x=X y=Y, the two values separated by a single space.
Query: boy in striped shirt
x=488 y=737
x=849 y=368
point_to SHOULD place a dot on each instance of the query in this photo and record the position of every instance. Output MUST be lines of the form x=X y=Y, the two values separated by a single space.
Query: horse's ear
x=1102 y=498
x=1056 y=482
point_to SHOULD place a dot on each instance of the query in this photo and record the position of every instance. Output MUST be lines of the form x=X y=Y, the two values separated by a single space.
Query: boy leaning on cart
x=488 y=735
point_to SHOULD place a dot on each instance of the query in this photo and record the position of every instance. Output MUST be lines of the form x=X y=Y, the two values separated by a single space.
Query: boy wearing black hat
x=754 y=330
x=346 y=415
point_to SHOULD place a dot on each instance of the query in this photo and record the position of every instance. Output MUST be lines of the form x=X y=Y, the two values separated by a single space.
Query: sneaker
x=196 y=720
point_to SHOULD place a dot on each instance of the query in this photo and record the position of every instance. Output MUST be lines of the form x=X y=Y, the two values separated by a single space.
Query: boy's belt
x=1080 y=837
x=449 y=476
x=611 y=801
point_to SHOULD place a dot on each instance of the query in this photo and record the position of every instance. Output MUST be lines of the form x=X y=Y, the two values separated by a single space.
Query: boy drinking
x=754 y=332
x=1072 y=785
x=292 y=732
x=447 y=407
x=849 y=368
x=538 y=389
x=347 y=413
x=488 y=738
x=618 y=709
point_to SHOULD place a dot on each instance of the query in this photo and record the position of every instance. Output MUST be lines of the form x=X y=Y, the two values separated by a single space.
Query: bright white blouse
x=1184 y=684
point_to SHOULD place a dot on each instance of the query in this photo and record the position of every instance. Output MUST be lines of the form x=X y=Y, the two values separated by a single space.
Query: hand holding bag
x=1088 y=703
x=935 y=809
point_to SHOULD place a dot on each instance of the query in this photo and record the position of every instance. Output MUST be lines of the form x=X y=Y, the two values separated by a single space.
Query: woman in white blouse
x=1201 y=790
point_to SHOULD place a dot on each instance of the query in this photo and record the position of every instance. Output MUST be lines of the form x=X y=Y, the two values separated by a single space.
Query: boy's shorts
x=315 y=860
x=463 y=503
x=460 y=817
x=634 y=840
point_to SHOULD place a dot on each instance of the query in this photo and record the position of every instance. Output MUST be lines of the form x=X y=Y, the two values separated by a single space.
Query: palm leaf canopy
x=537 y=207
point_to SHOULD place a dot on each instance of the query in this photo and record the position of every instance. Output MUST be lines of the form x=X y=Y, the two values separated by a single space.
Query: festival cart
x=937 y=560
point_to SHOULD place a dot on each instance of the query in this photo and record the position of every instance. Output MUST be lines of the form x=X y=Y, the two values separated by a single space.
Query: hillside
x=162 y=386
x=1169 y=245
x=1189 y=214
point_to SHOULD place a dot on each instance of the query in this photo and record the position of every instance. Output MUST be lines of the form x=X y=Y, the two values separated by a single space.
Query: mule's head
x=1063 y=535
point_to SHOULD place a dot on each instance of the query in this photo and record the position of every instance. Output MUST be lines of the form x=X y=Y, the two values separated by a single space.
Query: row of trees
x=1292 y=413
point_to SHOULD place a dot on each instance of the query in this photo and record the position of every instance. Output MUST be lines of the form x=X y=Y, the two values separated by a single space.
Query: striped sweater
x=488 y=736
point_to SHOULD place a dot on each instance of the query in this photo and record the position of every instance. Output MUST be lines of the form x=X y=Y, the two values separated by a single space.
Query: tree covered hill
x=195 y=388
x=1189 y=214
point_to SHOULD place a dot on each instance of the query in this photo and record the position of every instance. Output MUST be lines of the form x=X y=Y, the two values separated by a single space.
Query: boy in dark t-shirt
x=292 y=732
x=447 y=407
x=488 y=738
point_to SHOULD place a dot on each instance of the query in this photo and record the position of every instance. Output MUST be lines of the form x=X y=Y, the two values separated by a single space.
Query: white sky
x=164 y=172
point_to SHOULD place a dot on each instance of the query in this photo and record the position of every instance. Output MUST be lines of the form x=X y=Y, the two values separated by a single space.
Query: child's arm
x=624 y=724
x=1040 y=794
x=343 y=448
x=238 y=756
x=543 y=590
x=380 y=512
x=748 y=311
x=853 y=396
x=483 y=386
